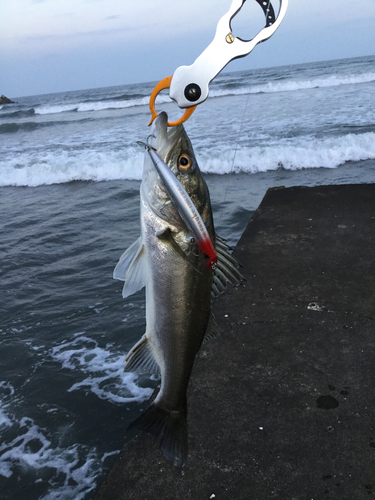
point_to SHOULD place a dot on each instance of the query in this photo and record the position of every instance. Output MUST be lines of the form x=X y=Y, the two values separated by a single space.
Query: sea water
x=70 y=169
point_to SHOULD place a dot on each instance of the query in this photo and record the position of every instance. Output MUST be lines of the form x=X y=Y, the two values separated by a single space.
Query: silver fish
x=179 y=287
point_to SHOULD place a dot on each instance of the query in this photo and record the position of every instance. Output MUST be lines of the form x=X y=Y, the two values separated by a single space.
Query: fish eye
x=184 y=162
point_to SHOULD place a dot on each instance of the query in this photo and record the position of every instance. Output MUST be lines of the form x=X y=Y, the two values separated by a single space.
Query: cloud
x=89 y=43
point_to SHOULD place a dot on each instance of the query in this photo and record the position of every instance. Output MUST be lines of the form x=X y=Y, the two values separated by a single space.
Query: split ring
x=165 y=84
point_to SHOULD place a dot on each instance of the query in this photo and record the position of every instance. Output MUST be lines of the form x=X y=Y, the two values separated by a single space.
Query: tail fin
x=170 y=429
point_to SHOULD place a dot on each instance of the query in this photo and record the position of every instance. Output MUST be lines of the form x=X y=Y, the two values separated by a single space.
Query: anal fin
x=140 y=358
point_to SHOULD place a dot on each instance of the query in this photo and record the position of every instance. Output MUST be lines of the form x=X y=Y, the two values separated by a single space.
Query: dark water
x=65 y=329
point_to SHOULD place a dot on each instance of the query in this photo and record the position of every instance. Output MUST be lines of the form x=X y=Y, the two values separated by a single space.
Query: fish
x=180 y=286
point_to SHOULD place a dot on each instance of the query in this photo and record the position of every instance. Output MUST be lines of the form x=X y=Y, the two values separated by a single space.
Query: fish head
x=175 y=149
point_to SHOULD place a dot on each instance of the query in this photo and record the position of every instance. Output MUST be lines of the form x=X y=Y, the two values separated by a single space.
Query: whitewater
x=296 y=117
x=70 y=171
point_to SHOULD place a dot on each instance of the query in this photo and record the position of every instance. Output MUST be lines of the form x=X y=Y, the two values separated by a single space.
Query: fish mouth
x=159 y=131
x=161 y=139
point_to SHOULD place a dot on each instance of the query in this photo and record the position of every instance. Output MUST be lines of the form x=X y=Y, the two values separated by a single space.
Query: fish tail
x=170 y=429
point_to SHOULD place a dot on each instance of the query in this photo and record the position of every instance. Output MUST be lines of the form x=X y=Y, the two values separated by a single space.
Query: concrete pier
x=282 y=405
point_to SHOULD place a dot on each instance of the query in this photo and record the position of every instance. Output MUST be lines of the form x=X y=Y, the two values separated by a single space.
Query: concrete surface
x=282 y=405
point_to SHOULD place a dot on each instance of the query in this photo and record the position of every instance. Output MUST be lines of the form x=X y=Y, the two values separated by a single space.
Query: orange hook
x=165 y=84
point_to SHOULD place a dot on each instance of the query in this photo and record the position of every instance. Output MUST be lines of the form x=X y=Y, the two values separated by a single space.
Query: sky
x=51 y=46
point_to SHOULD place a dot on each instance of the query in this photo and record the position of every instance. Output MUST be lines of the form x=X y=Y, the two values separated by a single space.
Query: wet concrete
x=282 y=405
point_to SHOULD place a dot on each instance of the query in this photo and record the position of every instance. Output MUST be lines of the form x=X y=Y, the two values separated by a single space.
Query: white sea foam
x=6 y=394
x=294 y=85
x=4 y=419
x=274 y=86
x=98 y=105
x=37 y=168
x=307 y=153
x=106 y=377
x=42 y=168
x=70 y=472
x=72 y=469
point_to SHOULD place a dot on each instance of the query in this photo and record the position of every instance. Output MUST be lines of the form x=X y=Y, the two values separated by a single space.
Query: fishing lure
x=185 y=207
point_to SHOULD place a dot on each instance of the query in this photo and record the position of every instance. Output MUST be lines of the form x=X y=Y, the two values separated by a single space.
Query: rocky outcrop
x=5 y=100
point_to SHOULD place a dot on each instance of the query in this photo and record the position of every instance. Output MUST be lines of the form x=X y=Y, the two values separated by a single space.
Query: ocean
x=70 y=171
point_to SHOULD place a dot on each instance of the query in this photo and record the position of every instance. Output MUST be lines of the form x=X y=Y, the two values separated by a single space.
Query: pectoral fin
x=166 y=235
x=131 y=268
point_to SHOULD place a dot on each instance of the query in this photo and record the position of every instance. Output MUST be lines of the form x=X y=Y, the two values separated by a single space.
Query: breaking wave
x=291 y=85
x=326 y=153
x=44 y=168
x=270 y=87
x=217 y=90
x=58 y=167
x=97 y=105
